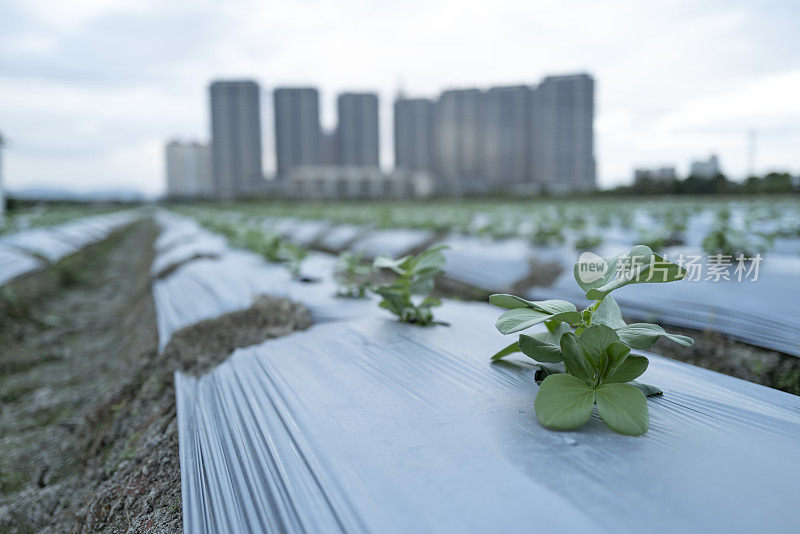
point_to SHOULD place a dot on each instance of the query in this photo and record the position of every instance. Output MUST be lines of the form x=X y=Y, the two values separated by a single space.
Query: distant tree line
x=773 y=182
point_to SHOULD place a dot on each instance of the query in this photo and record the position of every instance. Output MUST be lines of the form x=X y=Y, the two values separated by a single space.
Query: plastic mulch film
x=20 y=252
x=183 y=243
x=339 y=237
x=305 y=233
x=393 y=243
x=208 y=288
x=486 y=263
x=14 y=263
x=175 y=229
x=376 y=426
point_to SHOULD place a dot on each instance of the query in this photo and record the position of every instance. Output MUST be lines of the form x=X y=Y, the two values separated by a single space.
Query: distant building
x=414 y=134
x=563 y=133
x=357 y=132
x=356 y=182
x=188 y=169
x=507 y=137
x=662 y=174
x=706 y=169
x=328 y=148
x=297 y=128
x=460 y=122
x=236 y=137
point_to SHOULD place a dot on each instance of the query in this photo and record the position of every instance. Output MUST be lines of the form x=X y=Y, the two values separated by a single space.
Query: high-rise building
x=188 y=167
x=236 y=137
x=706 y=169
x=507 y=141
x=414 y=134
x=297 y=128
x=327 y=145
x=562 y=119
x=357 y=137
x=659 y=174
x=460 y=120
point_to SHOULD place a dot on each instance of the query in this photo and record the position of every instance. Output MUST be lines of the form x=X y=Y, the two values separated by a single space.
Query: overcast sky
x=91 y=89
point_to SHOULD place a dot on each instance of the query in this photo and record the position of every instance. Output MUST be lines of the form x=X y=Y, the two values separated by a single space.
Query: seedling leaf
x=623 y=408
x=644 y=335
x=539 y=350
x=511 y=349
x=521 y=318
x=563 y=402
x=608 y=313
x=633 y=367
x=574 y=361
x=639 y=266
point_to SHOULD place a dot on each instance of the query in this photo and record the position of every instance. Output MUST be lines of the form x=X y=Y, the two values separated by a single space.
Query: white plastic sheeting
x=181 y=242
x=14 y=263
x=339 y=237
x=374 y=426
x=174 y=230
x=488 y=264
x=305 y=233
x=207 y=288
x=19 y=251
x=393 y=243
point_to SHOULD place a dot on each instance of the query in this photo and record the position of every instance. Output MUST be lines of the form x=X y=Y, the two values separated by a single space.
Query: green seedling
x=588 y=242
x=547 y=234
x=408 y=296
x=352 y=276
x=659 y=239
x=294 y=256
x=586 y=354
x=732 y=242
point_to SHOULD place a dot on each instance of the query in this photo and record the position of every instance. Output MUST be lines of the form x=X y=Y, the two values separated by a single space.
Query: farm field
x=229 y=368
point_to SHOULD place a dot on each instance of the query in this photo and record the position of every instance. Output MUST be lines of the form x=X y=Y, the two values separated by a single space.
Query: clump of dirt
x=199 y=347
x=88 y=427
x=169 y=269
x=541 y=273
x=730 y=357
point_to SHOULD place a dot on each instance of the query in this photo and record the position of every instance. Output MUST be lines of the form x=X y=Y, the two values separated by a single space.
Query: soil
x=169 y=269
x=87 y=407
x=718 y=353
x=542 y=273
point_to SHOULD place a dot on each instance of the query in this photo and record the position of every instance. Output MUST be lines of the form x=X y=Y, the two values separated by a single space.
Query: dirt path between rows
x=87 y=405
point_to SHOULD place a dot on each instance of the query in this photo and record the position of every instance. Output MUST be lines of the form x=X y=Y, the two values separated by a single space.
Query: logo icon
x=591 y=267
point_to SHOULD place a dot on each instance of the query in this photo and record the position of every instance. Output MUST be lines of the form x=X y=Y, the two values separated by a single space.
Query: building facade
x=460 y=122
x=297 y=128
x=507 y=137
x=562 y=121
x=236 y=137
x=356 y=182
x=414 y=134
x=659 y=174
x=706 y=169
x=357 y=132
x=188 y=170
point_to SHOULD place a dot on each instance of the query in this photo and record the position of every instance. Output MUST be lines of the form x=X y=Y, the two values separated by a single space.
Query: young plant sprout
x=722 y=239
x=408 y=296
x=594 y=344
x=270 y=246
x=352 y=276
x=294 y=256
x=588 y=242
